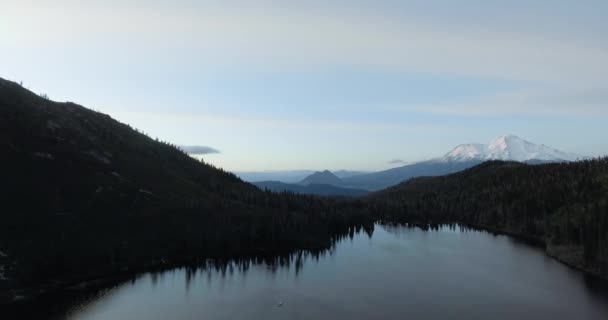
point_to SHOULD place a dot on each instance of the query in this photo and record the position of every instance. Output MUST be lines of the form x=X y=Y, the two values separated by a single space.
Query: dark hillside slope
x=563 y=205
x=326 y=190
x=84 y=195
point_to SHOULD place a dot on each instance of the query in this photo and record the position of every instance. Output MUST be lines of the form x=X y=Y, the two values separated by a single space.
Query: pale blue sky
x=278 y=85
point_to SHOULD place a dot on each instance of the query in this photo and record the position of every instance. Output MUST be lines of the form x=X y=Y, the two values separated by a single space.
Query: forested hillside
x=325 y=190
x=563 y=205
x=85 y=195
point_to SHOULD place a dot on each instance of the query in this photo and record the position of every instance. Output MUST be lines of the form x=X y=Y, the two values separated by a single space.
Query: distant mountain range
x=384 y=179
x=506 y=148
x=323 y=183
x=289 y=176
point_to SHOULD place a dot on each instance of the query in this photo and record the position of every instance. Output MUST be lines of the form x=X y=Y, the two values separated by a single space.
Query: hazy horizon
x=356 y=85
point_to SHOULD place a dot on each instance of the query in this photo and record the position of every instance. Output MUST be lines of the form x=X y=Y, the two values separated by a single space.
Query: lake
x=397 y=273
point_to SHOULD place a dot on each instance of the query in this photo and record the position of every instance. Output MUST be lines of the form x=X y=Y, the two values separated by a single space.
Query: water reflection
x=293 y=260
x=390 y=272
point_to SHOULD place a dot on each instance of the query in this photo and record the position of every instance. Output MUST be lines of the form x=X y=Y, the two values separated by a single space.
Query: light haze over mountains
x=505 y=148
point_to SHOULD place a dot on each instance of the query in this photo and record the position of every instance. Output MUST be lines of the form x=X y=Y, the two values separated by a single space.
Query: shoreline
x=22 y=297
x=13 y=298
x=549 y=250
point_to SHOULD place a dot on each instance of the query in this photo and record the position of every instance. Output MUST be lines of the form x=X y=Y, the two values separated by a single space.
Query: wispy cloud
x=199 y=150
x=319 y=36
x=272 y=124
x=554 y=101
x=296 y=38
x=397 y=161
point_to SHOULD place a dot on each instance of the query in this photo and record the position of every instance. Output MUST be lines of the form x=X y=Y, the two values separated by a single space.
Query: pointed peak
x=322 y=177
x=465 y=152
x=506 y=138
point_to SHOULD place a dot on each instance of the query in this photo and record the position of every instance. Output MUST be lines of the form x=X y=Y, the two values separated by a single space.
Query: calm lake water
x=398 y=273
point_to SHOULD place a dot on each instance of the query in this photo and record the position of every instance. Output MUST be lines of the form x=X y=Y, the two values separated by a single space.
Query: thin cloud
x=152 y=121
x=198 y=150
x=220 y=35
x=397 y=161
x=559 y=101
x=292 y=38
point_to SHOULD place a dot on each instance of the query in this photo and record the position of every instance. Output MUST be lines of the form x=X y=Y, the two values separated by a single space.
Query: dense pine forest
x=85 y=196
x=563 y=205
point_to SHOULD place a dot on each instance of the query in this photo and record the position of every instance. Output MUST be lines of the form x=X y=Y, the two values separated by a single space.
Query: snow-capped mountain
x=506 y=148
x=509 y=148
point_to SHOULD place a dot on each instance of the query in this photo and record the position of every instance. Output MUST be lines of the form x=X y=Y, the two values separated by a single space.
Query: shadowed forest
x=563 y=206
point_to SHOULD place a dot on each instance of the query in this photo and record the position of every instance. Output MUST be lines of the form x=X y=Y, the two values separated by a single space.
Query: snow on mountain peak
x=466 y=152
x=508 y=148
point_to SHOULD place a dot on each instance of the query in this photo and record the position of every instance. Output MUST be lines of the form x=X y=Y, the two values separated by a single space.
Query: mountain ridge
x=505 y=148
